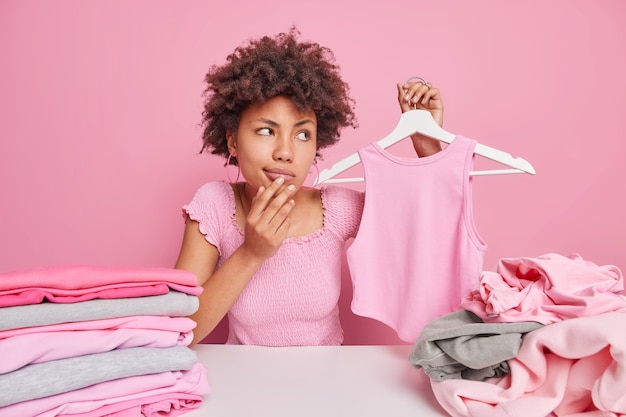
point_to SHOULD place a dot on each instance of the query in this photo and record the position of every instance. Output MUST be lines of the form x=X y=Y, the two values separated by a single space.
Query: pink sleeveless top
x=417 y=251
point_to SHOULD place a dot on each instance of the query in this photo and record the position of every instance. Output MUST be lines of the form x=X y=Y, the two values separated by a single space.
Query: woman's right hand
x=267 y=222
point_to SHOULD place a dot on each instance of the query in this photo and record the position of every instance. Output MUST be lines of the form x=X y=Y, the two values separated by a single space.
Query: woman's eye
x=303 y=136
x=265 y=131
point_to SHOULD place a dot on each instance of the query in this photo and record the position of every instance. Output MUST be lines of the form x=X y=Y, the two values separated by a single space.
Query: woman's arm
x=266 y=227
x=220 y=288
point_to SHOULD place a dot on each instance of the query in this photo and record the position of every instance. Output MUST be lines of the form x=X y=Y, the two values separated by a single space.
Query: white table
x=314 y=381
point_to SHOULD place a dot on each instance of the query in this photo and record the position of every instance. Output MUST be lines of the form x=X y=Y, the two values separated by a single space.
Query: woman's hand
x=417 y=95
x=420 y=96
x=267 y=223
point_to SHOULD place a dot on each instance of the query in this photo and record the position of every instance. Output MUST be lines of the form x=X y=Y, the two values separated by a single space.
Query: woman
x=267 y=251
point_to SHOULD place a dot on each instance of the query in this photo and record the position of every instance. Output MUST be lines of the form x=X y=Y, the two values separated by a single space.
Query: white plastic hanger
x=421 y=121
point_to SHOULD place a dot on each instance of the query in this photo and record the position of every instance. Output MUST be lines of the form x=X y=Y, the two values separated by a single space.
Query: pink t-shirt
x=293 y=297
x=417 y=252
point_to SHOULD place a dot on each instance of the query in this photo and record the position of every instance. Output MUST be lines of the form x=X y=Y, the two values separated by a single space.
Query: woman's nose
x=283 y=151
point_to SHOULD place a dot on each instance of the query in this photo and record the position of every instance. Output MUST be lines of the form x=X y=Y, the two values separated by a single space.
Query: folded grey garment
x=174 y=304
x=56 y=377
x=461 y=345
x=457 y=370
x=487 y=372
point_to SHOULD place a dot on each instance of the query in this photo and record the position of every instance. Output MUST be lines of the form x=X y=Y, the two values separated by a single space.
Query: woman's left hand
x=417 y=95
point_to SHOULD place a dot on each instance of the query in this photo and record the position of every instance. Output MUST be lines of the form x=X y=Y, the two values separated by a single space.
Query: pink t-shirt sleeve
x=343 y=208
x=212 y=207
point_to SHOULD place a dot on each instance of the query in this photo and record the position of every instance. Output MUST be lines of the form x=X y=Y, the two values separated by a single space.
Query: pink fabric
x=166 y=394
x=157 y=406
x=417 y=251
x=67 y=284
x=177 y=324
x=572 y=368
x=287 y=302
x=183 y=390
x=38 y=295
x=26 y=349
x=546 y=289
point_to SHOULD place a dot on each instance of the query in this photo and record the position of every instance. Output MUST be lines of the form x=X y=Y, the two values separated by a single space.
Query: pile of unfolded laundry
x=95 y=341
x=542 y=336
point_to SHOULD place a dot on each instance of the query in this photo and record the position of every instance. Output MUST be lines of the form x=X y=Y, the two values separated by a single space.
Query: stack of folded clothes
x=99 y=341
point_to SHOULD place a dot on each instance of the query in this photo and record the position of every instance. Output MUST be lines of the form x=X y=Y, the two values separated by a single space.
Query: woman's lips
x=275 y=173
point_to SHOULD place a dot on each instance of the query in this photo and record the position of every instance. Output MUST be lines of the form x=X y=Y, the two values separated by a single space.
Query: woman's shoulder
x=210 y=199
x=215 y=187
x=341 y=195
x=219 y=191
x=342 y=204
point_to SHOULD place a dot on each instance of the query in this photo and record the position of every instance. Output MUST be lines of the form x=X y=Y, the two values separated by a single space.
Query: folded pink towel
x=69 y=284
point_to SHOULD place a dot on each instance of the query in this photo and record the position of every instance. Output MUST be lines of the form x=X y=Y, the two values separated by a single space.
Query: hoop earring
x=317 y=176
x=230 y=180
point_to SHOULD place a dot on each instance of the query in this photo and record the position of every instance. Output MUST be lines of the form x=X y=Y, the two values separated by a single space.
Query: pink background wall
x=100 y=103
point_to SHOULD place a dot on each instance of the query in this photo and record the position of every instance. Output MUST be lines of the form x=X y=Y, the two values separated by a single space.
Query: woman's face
x=275 y=139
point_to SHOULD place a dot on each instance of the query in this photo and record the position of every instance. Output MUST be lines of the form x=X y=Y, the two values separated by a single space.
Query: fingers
x=267 y=223
x=275 y=195
x=405 y=104
x=271 y=206
x=417 y=95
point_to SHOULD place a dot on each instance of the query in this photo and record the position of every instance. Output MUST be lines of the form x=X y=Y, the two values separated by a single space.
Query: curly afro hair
x=272 y=66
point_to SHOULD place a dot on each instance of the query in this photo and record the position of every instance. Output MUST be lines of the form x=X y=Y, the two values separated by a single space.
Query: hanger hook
x=416 y=78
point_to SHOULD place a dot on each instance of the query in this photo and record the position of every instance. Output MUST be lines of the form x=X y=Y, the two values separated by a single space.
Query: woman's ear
x=231 y=140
